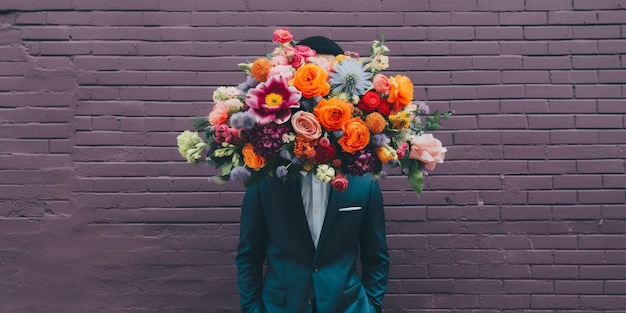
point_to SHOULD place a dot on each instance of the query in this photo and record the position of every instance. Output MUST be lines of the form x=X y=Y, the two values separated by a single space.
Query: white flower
x=325 y=173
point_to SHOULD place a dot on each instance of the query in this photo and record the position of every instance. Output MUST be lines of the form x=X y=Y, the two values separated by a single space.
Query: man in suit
x=310 y=236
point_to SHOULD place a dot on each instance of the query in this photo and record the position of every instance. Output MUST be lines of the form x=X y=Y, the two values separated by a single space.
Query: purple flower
x=281 y=171
x=360 y=163
x=379 y=140
x=267 y=139
x=243 y=120
x=272 y=100
x=240 y=173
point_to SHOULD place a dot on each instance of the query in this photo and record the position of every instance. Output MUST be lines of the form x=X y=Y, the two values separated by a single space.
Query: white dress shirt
x=315 y=199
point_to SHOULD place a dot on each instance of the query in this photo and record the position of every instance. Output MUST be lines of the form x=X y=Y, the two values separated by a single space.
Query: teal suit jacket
x=274 y=229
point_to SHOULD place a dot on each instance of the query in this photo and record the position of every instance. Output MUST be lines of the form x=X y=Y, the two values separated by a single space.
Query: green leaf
x=415 y=177
x=200 y=123
x=226 y=167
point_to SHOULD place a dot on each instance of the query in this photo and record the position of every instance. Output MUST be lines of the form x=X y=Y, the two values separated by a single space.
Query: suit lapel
x=299 y=216
x=334 y=200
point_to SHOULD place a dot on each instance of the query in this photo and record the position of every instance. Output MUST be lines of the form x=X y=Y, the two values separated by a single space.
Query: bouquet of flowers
x=298 y=111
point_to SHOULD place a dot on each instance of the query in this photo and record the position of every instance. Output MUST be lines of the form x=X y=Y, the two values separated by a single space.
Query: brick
x=453 y=5
x=451 y=33
x=526 y=213
x=595 y=62
x=549 y=91
x=475 y=106
x=572 y=17
x=529 y=257
x=525 y=152
x=524 y=106
x=599 y=4
x=611 y=17
x=553 y=302
x=496 y=63
x=612 y=46
x=611 y=106
x=574 y=77
x=470 y=286
x=525 y=137
x=579 y=257
x=539 y=5
x=473 y=18
x=499 y=33
x=603 y=271
x=598 y=91
x=552 y=197
x=552 y=167
x=505 y=271
x=425 y=48
x=528 y=286
x=602 y=242
x=427 y=18
x=495 y=5
x=523 y=48
x=614 y=181
x=572 y=106
x=448 y=271
x=523 y=18
x=450 y=92
x=500 y=91
x=474 y=48
x=612 y=76
x=614 y=287
x=602 y=196
x=537 y=62
x=555 y=271
x=596 y=32
x=602 y=302
x=520 y=77
x=547 y=32
x=601 y=166
x=598 y=121
x=505 y=301
x=572 y=137
x=405 y=5
x=577 y=181
x=576 y=212
x=551 y=121
x=570 y=47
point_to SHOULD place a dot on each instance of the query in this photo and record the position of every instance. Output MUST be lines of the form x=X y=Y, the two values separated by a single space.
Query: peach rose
x=310 y=79
x=381 y=83
x=251 y=159
x=427 y=149
x=355 y=135
x=219 y=114
x=400 y=92
x=332 y=113
x=305 y=124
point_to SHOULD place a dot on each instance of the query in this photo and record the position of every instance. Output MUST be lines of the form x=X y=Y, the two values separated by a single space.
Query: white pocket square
x=350 y=208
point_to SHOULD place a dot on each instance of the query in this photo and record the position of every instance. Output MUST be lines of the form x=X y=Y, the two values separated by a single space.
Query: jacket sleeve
x=373 y=247
x=251 y=252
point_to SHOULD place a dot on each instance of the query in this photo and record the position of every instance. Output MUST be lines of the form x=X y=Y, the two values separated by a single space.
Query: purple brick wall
x=99 y=214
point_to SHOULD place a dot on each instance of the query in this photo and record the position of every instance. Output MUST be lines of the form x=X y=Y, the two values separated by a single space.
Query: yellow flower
x=386 y=153
x=400 y=120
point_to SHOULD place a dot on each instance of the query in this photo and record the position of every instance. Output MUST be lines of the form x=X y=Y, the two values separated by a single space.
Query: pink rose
x=381 y=83
x=305 y=124
x=304 y=51
x=427 y=149
x=282 y=35
x=340 y=182
x=402 y=149
x=296 y=61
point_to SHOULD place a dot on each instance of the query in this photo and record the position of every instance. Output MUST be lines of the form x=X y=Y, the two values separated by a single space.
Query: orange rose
x=260 y=69
x=310 y=79
x=332 y=113
x=355 y=135
x=400 y=92
x=251 y=159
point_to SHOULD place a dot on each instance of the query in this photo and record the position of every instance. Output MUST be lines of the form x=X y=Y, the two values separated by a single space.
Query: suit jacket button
x=316 y=269
x=309 y=301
